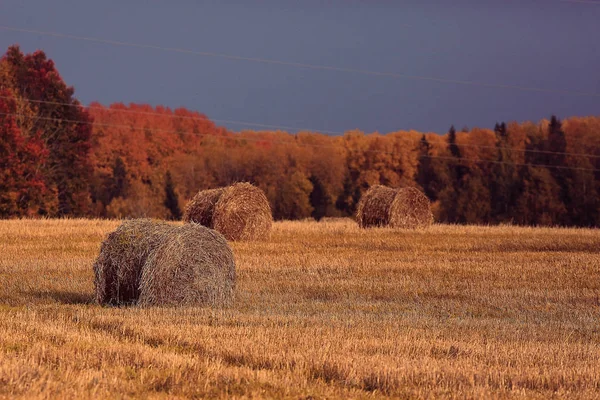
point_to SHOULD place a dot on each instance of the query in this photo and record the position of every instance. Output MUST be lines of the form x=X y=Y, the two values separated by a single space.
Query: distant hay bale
x=123 y=253
x=200 y=209
x=410 y=209
x=406 y=208
x=374 y=205
x=243 y=213
x=192 y=266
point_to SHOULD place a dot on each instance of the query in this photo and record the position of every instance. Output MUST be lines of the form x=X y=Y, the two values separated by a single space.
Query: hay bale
x=200 y=209
x=410 y=209
x=192 y=266
x=374 y=205
x=243 y=213
x=118 y=268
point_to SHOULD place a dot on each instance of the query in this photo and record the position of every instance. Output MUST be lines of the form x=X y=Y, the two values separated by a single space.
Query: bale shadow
x=64 y=297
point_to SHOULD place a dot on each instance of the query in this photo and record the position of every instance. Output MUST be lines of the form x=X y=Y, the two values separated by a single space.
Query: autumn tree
x=294 y=198
x=64 y=126
x=22 y=186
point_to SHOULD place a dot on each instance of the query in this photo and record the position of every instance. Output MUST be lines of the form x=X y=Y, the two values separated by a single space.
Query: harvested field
x=322 y=309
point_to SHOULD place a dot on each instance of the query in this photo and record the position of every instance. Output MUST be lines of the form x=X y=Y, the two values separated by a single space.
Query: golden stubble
x=322 y=309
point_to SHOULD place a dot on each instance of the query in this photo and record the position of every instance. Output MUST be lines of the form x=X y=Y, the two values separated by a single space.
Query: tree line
x=58 y=158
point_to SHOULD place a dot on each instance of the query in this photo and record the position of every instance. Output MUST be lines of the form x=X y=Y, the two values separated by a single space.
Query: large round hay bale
x=374 y=205
x=200 y=209
x=410 y=209
x=123 y=253
x=243 y=213
x=192 y=266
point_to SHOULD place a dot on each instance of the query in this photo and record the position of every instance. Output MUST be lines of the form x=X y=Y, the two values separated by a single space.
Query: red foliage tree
x=46 y=105
x=22 y=186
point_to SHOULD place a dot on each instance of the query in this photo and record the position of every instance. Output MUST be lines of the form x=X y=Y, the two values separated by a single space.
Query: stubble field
x=322 y=310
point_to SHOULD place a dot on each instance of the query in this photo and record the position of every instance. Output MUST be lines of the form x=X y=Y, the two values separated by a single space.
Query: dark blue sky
x=549 y=44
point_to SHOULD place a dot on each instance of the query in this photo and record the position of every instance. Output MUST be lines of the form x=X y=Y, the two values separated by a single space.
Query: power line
x=229 y=121
x=581 y=1
x=239 y=137
x=303 y=65
x=515 y=164
x=296 y=129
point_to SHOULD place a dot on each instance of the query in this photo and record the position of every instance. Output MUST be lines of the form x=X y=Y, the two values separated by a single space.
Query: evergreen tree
x=503 y=179
x=452 y=146
x=348 y=199
x=557 y=143
x=171 y=198
x=424 y=176
x=473 y=199
x=319 y=200
x=538 y=202
x=556 y=160
x=449 y=210
x=583 y=202
x=120 y=182
x=432 y=173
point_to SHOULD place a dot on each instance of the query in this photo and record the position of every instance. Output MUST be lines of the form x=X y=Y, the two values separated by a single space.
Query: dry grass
x=322 y=309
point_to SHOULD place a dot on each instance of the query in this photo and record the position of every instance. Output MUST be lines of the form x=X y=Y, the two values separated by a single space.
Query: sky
x=497 y=45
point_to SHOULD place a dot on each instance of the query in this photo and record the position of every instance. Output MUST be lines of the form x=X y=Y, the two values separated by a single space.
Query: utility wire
x=239 y=137
x=302 y=65
x=230 y=121
x=581 y=1
x=206 y=119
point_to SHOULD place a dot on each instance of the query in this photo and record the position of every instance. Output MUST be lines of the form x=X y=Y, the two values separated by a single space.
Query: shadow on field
x=64 y=297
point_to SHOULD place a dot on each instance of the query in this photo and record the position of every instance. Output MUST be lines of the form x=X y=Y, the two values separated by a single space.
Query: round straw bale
x=200 y=209
x=118 y=268
x=374 y=205
x=192 y=266
x=410 y=209
x=243 y=213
